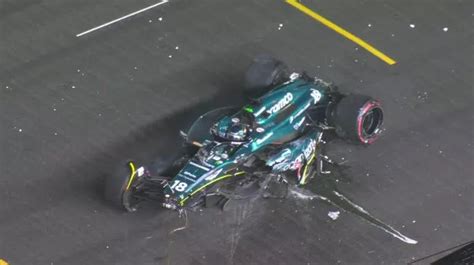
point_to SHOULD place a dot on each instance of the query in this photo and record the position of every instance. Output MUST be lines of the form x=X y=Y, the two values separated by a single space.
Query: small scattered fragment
x=334 y=215
x=370 y=25
x=280 y=26
x=412 y=26
x=160 y=19
x=445 y=29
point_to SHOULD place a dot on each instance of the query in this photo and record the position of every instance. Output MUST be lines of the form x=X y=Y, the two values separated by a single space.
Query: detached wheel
x=358 y=118
x=119 y=187
x=265 y=73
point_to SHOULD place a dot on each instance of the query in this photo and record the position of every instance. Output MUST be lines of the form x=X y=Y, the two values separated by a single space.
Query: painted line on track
x=341 y=31
x=122 y=18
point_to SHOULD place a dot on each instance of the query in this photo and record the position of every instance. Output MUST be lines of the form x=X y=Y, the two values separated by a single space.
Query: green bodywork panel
x=279 y=119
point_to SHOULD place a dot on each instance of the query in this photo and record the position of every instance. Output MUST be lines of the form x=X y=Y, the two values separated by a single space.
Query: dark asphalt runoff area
x=74 y=108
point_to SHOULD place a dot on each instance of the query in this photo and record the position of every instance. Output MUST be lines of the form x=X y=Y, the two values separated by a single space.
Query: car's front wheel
x=120 y=186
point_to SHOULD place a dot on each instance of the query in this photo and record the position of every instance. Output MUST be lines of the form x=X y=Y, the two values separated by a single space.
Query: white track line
x=122 y=18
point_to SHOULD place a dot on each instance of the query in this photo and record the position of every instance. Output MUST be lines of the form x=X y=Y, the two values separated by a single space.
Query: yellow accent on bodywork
x=3 y=262
x=305 y=175
x=132 y=175
x=209 y=183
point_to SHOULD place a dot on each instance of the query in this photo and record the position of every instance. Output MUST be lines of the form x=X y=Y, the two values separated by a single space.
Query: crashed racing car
x=234 y=153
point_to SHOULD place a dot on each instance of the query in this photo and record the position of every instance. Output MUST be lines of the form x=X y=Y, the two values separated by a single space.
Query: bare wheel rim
x=371 y=122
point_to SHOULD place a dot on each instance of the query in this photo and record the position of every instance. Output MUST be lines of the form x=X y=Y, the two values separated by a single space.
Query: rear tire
x=358 y=118
x=265 y=73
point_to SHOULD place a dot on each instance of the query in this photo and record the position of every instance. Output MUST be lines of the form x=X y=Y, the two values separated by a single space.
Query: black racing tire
x=265 y=73
x=115 y=188
x=358 y=118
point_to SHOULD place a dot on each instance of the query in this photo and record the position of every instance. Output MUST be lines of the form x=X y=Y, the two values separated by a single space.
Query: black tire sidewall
x=263 y=74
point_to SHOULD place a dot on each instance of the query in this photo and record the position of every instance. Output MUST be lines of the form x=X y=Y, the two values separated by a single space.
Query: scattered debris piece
x=445 y=29
x=412 y=26
x=422 y=96
x=160 y=19
x=334 y=215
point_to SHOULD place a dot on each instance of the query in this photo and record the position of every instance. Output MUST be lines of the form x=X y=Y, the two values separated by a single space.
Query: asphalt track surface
x=72 y=108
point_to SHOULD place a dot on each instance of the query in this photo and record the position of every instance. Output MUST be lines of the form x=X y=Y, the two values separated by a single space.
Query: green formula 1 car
x=234 y=153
